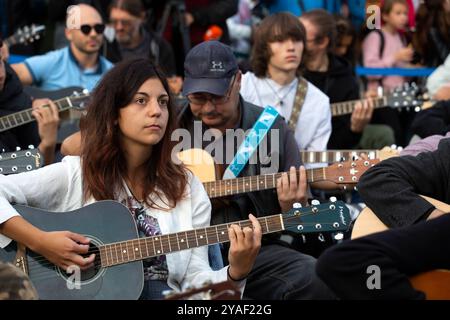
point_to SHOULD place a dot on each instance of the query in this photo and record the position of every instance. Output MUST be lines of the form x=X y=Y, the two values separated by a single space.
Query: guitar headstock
x=209 y=291
x=406 y=96
x=27 y=34
x=80 y=99
x=326 y=217
x=348 y=172
x=20 y=161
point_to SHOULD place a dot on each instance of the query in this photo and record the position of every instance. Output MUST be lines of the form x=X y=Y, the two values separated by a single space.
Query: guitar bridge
x=21 y=258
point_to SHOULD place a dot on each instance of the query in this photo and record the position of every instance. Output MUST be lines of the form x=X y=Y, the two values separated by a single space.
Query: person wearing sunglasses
x=79 y=64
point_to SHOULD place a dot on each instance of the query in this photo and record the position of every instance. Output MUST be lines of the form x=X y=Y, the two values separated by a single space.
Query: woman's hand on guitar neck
x=291 y=189
x=64 y=248
x=244 y=247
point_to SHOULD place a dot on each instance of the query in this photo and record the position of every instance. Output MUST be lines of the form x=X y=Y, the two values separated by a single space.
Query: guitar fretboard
x=22 y=117
x=221 y=188
x=139 y=249
x=331 y=156
x=347 y=107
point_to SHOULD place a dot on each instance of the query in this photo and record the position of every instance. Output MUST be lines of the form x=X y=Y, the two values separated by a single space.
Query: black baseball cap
x=209 y=67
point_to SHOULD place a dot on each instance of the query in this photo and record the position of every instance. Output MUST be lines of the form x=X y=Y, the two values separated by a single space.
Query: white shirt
x=314 y=125
x=58 y=188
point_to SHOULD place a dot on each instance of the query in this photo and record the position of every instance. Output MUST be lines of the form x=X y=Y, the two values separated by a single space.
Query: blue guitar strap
x=251 y=142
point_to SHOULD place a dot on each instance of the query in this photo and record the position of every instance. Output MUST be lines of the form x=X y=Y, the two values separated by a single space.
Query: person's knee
x=305 y=284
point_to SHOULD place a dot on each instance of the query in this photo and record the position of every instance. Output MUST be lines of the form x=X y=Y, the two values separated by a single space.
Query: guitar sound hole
x=90 y=273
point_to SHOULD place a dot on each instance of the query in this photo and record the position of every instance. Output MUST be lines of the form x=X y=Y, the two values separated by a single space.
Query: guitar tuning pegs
x=31 y=147
x=303 y=238
x=355 y=188
x=417 y=109
x=297 y=205
x=394 y=146
x=321 y=237
x=338 y=236
x=18 y=148
x=315 y=202
x=85 y=91
x=333 y=199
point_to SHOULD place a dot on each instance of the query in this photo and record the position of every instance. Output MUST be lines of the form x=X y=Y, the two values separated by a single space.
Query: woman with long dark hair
x=126 y=156
x=432 y=38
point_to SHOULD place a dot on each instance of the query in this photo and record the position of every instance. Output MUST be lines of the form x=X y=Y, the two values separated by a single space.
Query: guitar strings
x=39 y=258
x=43 y=262
x=189 y=238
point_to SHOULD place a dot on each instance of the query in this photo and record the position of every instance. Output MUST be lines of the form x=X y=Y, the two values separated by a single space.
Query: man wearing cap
x=212 y=84
x=213 y=110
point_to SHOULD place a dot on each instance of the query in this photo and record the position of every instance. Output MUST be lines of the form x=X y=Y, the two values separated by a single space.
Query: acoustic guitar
x=20 y=161
x=77 y=100
x=332 y=156
x=202 y=165
x=25 y=35
x=435 y=284
x=118 y=270
x=403 y=97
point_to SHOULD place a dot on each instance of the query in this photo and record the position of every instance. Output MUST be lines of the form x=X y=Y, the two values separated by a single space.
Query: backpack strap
x=381 y=50
x=302 y=88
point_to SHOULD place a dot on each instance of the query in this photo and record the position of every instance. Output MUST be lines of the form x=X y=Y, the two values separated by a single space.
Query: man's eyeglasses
x=86 y=29
x=202 y=98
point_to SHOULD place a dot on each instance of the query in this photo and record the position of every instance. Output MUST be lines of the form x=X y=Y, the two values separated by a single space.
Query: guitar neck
x=347 y=107
x=17 y=119
x=331 y=156
x=139 y=249
x=221 y=188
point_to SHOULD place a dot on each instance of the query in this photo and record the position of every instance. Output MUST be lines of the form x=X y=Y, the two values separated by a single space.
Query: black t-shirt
x=12 y=100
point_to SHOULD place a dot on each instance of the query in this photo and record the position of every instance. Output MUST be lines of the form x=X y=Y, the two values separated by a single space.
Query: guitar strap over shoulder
x=302 y=88
x=251 y=142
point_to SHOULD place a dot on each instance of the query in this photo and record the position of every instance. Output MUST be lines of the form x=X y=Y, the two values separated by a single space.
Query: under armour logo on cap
x=217 y=66
x=209 y=67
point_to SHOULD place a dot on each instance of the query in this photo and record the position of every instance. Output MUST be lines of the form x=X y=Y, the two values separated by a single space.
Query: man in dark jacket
x=418 y=242
x=435 y=120
x=212 y=84
x=13 y=99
